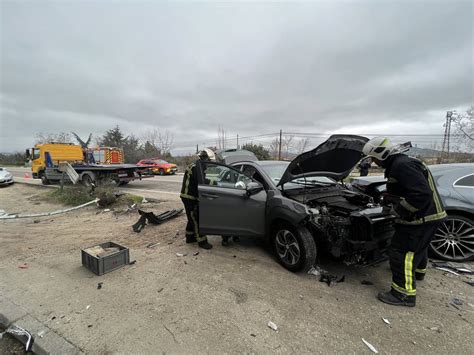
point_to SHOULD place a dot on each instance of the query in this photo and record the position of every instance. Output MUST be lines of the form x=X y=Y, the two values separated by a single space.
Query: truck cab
x=59 y=152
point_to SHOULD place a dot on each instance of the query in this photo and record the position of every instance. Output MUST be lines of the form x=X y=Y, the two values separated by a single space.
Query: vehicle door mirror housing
x=253 y=187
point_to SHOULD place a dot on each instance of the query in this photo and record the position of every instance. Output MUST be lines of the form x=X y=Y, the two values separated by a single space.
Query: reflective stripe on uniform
x=199 y=237
x=402 y=290
x=185 y=193
x=430 y=218
x=405 y=204
x=409 y=271
x=421 y=271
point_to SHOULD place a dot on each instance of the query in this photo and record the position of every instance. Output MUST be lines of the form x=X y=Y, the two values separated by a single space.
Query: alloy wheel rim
x=287 y=247
x=454 y=239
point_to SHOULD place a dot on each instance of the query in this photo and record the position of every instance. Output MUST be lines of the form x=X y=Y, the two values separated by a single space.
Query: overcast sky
x=367 y=67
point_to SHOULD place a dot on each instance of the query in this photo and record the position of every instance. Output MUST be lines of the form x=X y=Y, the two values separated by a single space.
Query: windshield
x=275 y=172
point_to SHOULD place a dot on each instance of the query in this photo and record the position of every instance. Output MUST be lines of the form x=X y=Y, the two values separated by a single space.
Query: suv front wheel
x=294 y=248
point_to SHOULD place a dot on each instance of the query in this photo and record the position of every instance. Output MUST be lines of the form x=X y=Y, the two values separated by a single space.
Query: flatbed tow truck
x=52 y=162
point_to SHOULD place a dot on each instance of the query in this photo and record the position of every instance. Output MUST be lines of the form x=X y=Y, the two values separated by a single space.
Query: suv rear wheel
x=294 y=248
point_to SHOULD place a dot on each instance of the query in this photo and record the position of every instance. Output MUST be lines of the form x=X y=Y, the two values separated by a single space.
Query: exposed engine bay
x=348 y=223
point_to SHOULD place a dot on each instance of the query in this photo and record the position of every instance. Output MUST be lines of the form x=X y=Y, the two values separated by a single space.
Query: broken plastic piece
x=370 y=346
x=195 y=253
x=23 y=266
x=180 y=254
x=447 y=270
x=457 y=301
x=316 y=271
x=154 y=219
x=272 y=326
x=386 y=321
x=19 y=331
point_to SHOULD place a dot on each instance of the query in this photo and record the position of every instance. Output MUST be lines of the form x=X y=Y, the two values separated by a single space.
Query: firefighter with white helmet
x=189 y=196
x=416 y=202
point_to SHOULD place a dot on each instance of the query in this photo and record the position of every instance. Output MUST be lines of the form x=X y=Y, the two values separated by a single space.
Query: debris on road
x=180 y=254
x=23 y=266
x=272 y=326
x=370 y=346
x=328 y=279
x=457 y=302
x=4 y=215
x=470 y=282
x=99 y=285
x=17 y=331
x=316 y=271
x=447 y=270
x=88 y=306
x=456 y=267
x=367 y=282
x=154 y=219
x=386 y=321
x=152 y=245
x=196 y=253
x=132 y=262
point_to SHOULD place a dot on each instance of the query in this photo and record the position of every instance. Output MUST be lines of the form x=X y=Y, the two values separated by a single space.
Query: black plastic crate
x=110 y=262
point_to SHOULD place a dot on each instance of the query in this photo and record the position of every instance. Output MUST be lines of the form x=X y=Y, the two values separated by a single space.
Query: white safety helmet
x=379 y=148
x=207 y=154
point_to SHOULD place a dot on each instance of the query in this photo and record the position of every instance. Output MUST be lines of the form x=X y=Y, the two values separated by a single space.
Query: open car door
x=230 y=203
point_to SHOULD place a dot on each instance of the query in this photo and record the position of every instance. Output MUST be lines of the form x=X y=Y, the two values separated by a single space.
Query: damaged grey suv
x=301 y=207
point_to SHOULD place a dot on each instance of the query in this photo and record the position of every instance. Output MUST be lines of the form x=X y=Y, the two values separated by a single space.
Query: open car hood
x=335 y=158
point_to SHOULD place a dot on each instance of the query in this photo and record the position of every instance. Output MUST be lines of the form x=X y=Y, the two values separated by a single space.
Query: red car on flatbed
x=158 y=166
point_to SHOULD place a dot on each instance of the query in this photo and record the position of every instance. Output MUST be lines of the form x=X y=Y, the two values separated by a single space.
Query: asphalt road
x=160 y=187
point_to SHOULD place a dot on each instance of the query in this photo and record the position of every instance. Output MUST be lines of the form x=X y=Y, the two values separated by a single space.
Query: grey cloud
x=249 y=67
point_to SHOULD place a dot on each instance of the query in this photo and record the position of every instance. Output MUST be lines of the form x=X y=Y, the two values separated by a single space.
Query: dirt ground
x=218 y=301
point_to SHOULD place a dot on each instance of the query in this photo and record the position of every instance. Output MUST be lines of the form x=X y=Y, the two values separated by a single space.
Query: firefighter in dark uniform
x=189 y=196
x=412 y=192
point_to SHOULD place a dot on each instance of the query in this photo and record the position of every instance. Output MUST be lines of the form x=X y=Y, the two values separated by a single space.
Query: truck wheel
x=86 y=180
x=294 y=248
x=122 y=183
x=44 y=179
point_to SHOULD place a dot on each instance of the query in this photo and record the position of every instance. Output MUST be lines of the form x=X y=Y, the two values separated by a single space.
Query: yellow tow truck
x=46 y=159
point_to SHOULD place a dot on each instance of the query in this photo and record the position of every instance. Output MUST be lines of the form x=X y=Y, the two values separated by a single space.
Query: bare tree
x=165 y=142
x=302 y=145
x=162 y=141
x=464 y=129
x=274 y=147
x=287 y=144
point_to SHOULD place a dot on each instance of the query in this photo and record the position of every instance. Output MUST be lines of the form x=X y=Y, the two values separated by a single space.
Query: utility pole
x=237 y=141
x=279 y=148
x=197 y=148
x=447 y=135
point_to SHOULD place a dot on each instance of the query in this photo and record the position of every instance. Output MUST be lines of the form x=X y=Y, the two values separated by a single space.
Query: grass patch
x=70 y=196
x=78 y=195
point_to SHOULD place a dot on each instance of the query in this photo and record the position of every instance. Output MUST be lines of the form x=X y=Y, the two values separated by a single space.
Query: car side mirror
x=253 y=188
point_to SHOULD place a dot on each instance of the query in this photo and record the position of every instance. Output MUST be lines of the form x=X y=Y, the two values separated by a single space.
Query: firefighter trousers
x=192 y=227
x=409 y=255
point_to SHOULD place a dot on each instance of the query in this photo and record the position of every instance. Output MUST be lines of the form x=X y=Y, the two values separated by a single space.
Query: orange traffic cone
x=26 y=176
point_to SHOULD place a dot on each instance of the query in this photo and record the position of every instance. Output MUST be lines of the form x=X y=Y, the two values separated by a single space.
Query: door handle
x=210 y=196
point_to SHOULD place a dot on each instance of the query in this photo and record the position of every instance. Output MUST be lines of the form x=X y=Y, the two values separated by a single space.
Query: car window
x=467 y=181
x=252 y=172
x=224 y=176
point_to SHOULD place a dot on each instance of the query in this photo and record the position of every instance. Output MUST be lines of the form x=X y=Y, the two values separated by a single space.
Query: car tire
x=294 y=248
x=453 y=238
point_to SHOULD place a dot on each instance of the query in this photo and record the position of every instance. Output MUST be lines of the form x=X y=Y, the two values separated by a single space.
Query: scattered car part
x=458 y=267
x=105 y=257
x=370 y=346
x=272 y=326
x=5 y=215
x=154 y=219
x=18 y=331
